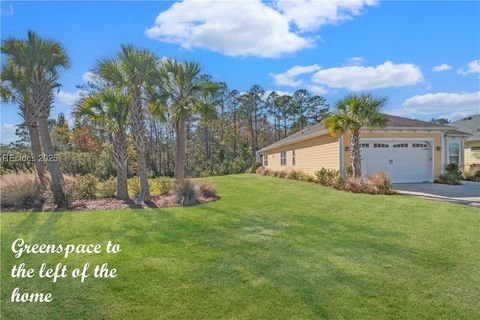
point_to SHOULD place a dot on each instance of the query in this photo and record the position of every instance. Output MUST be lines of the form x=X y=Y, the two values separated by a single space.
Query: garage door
x=403 y=161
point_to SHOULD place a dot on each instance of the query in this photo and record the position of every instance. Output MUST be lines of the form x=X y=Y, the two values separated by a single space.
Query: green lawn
x=269 y=249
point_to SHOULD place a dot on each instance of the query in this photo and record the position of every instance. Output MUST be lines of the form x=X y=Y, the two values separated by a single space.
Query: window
x=400 y=145
x=283 y=158
x=454 y=152
x=365 y=145
x=380 y=145
x=265 y=160
x=475 y=149
x=419 y=145
x=293 y=157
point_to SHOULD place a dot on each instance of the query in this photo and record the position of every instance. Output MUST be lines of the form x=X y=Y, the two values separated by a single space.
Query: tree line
x=144 y=116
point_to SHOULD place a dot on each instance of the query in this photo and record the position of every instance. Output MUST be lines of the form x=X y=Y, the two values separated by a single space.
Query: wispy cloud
x=472 y=67
x=442 y=67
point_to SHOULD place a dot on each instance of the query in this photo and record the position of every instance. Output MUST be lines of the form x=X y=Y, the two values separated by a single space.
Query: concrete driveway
x=467 y=193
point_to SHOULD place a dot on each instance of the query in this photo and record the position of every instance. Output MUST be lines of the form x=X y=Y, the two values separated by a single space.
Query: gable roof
x=470 y=124
x=319 y=129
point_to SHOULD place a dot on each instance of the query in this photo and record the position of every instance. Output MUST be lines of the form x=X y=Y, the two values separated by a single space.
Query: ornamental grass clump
x=207 y=189
x=187 y=192
x=20 y=188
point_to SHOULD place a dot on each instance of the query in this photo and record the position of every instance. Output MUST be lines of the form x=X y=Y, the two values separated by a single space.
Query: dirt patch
x=108 y=203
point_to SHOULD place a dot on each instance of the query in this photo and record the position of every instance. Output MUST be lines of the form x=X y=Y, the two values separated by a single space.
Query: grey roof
x=470 y=124
x=392 y=122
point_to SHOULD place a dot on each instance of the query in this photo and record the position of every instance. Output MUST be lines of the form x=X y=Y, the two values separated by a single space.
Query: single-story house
x=407 y=150
x=470 y=124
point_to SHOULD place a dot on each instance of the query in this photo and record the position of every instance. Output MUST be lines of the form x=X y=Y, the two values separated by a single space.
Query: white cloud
x=249 y=28
x=355 y=61
x=235 y=28
x=87 y=76
x=67 y=98
x=357 y=78
x=8 y=128
x=309 y=15
x=442 y=67
x=318 y=90
x=289 y=77
x=279 y=92
x=472 y=67
x=451 y=105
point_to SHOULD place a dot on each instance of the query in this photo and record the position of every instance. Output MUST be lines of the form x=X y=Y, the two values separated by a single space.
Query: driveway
x=467 y=193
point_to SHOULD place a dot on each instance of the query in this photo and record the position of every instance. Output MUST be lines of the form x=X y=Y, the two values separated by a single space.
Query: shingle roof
x=319 y=128
x=470 y=124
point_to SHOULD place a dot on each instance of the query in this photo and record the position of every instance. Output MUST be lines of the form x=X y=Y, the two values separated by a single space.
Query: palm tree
x=14 y=89
x=40 y=60
x=108 y=109
x=354 y=112
x=132 y=72
x=185 y=96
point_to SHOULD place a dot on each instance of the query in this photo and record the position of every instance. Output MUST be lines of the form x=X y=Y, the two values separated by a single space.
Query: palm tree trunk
x=180 y=129
x=138 y=132
x=355 y=154
x=121 y=158
x=37 y=152
x=52 y=163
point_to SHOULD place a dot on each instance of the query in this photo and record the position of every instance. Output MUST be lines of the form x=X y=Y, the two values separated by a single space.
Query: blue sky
x=423 y=56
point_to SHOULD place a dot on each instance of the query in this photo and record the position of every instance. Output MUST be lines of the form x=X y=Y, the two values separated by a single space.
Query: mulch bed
x=108 y=203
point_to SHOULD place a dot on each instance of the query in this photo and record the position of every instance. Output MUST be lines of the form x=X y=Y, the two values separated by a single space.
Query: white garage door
x=402 y=161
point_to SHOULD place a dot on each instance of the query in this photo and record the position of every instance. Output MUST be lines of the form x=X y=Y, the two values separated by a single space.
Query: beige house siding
x=310 y=155
x=435 y=135
x=472 y=157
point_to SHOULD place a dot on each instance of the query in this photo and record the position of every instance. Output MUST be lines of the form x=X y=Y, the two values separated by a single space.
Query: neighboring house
x=407 y=150
x=470 y=125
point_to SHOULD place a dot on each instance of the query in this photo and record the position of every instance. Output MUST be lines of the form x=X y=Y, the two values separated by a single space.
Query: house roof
x=393 y=122
x=470 y=124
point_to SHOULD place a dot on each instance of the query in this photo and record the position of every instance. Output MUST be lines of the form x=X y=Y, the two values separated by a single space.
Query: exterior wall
x=472 y=157
x=310 y=155
x=404 y=134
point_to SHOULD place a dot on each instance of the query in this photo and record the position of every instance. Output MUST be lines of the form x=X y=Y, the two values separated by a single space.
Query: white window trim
x=459 y=142
x=283 y=158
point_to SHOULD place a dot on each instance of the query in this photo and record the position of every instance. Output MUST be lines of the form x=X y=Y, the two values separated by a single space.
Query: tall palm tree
x=14 y=89
x=184 y=88
x=40 y=60
x=354 y=112
x=132 y=72
x=108 y=109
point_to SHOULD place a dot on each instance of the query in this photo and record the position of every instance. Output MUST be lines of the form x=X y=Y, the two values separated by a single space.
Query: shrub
x=164 y=185
x=380 y=182
x=259 y=169
x=207 y=189
x=448 y=178
x=134 y=186
x=281 y=174
x=452 y=175
x=20 y=188
x=356 y=186
x=186 y=192
x=327 y=177
x=305 y=177
x=292 y=174
x=108 y=188
x=86 y=186
x=472 y=173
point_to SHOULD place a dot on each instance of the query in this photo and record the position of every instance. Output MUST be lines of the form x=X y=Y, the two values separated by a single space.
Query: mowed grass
x=269 y=249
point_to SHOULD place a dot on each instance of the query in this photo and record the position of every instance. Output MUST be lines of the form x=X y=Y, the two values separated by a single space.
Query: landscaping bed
x=108 y=203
